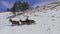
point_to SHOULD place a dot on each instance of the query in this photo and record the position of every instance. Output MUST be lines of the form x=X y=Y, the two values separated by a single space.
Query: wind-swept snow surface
x=47 y=22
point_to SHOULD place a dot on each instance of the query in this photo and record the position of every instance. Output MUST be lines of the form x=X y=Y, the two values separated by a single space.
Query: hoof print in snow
x=53 y=24
x=53 y=16
x=44 y=12
x=48 y=29
x=36 y=15
x=53 y=19
x=13 y=25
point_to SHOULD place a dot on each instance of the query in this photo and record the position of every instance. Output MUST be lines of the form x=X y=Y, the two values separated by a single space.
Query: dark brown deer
x=14 y=22
x=30 y=21
x=27 y=21
x=23 y=22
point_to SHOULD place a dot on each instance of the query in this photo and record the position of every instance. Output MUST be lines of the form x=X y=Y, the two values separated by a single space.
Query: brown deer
x=23 y=22
x=30 y=21
x=14 y=22
x=27 y=21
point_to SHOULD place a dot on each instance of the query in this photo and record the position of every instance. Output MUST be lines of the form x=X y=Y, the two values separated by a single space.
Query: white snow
x=47 y=22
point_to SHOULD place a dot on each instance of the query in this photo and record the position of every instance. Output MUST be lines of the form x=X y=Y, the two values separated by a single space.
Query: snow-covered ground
x=47 y=22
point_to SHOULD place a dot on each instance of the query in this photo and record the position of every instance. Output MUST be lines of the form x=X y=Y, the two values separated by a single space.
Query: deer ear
x=20 y=19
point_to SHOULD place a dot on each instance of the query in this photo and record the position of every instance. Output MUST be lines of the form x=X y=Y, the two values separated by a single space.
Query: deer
x=14 y=22
x=27 y=21
x=23 y=22
x=30 y=21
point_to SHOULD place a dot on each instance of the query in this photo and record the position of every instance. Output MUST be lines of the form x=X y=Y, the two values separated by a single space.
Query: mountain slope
x=47 y=21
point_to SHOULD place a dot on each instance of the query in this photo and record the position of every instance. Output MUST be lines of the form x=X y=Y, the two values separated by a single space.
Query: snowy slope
x=47 y=22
